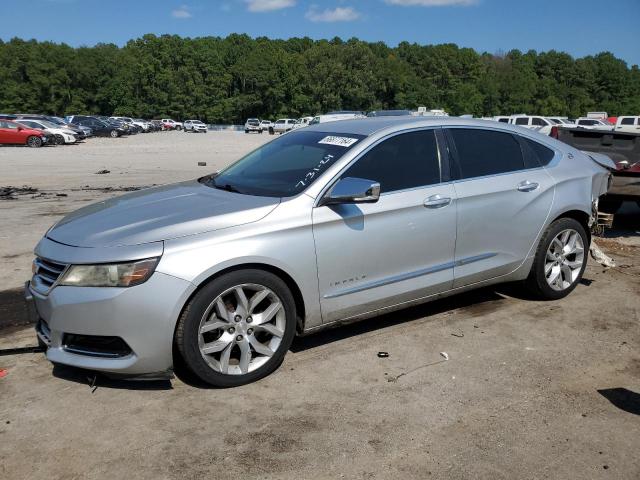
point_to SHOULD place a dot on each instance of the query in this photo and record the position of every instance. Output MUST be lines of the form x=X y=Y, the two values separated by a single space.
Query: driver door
x=401 y=248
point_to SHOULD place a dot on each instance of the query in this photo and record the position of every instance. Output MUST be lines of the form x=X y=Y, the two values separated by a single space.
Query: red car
x=12 y=133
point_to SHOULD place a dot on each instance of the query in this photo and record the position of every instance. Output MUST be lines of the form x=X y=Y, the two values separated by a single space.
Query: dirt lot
x=531 y=389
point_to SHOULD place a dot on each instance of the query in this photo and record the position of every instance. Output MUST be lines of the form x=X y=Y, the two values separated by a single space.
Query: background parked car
x=252 y=125
x=79 y=132
x=389 y=113
x=533 y=122
x=629 y=124
x=282 y=126
x=170 y=124
x=265 y=125
x=51 y=130
x=622 y=147
x=302 y=122
x=334 y=117
x=593 y=123
x=97 y=126
x=12 y=133
x=195 y=126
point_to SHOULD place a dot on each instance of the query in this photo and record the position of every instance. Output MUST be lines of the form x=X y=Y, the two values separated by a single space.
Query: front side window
x=486 y=152
x=286 y=166
x=408 y=160
x=538 y=122
x=627 y=121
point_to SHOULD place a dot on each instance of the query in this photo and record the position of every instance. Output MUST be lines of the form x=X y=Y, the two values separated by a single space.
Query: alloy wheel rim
x=33 y=141
x=564 y=260
x=241 y=329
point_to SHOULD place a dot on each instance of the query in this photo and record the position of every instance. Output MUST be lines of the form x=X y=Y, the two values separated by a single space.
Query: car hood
x=159 y=213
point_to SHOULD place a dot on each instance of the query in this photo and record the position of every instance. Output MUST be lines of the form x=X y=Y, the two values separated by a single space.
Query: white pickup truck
x=628 y=124
x=534 y=122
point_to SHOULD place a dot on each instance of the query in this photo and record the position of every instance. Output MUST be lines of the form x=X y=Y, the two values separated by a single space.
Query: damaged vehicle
x=332 y=223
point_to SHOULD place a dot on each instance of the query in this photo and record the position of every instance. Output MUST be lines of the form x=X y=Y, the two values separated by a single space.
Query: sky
x=579 y=27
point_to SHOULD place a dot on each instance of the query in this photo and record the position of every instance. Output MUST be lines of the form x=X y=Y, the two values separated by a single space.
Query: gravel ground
x=531 y=389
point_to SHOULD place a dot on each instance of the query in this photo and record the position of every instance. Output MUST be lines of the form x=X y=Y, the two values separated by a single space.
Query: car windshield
x=286 y=166
x=48 y=124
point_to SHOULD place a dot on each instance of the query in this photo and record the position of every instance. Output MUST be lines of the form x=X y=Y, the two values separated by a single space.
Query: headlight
x=113 y=275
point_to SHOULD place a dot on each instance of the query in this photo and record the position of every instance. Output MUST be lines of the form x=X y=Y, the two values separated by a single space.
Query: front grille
x=46 y=274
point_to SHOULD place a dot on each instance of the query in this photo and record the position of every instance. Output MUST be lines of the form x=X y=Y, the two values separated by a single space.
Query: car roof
x=370 y=125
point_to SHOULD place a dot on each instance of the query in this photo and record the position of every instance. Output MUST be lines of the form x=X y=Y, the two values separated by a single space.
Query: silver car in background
x=335 y=222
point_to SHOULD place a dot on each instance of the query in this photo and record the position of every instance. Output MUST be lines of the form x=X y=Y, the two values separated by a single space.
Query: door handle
x=527 y=186
x=436 y=201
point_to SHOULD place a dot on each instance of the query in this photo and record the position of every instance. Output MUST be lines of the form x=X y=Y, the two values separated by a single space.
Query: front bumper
x=143 y=317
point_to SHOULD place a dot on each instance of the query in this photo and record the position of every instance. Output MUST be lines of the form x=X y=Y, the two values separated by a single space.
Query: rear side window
x=408 y=160
x=486 y=152
x=522 y=121
x=535 y=154
x=538 y=122
x=627 y=121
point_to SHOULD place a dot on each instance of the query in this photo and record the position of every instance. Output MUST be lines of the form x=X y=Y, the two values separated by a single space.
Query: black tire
x=59 y=140
x=178 y=128
x=536 y=283
x=271 y=131
x=187 y=334
x=246 y=131
x=34 y=141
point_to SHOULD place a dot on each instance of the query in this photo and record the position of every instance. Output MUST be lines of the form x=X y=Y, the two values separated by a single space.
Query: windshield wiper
x=226 y=186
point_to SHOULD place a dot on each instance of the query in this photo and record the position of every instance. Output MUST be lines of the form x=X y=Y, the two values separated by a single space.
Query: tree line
x=226 y=80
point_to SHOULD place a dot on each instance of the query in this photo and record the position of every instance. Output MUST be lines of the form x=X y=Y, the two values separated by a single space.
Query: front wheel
x=34 y=141
x=237 y=328
x=113 y=133
x=560 y=260
x=59 y=140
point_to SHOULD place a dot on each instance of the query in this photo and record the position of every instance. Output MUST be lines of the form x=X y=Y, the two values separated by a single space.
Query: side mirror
x=20 y=128
x=352 y=190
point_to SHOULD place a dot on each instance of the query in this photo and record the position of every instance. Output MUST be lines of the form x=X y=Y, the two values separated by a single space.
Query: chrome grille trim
x=47 y=274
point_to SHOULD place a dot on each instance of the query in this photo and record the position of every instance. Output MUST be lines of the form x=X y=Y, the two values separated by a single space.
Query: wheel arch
x=582 y=217
x=279 y=272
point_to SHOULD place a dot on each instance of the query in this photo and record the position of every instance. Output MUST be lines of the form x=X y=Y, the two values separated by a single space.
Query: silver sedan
x=335 y=222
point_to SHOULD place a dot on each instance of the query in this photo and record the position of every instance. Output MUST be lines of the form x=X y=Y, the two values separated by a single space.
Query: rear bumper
x=143 y=318
x=625 y=186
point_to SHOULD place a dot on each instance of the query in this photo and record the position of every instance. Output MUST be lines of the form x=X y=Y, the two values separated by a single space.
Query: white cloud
x=339 y=14
x=268 y=5
x=431 y=3
x=182 y=12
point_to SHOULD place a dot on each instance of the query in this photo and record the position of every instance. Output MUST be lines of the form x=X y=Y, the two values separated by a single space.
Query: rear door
x=504 y=197
x=375 y=255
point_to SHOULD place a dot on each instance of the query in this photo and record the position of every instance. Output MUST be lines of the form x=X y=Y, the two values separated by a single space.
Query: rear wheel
x=238 y=328
x=34 y=141
x=560 y=259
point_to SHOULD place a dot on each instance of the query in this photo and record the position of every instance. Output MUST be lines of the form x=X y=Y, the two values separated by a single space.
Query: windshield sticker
x=311 y=174
x=339 y=141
